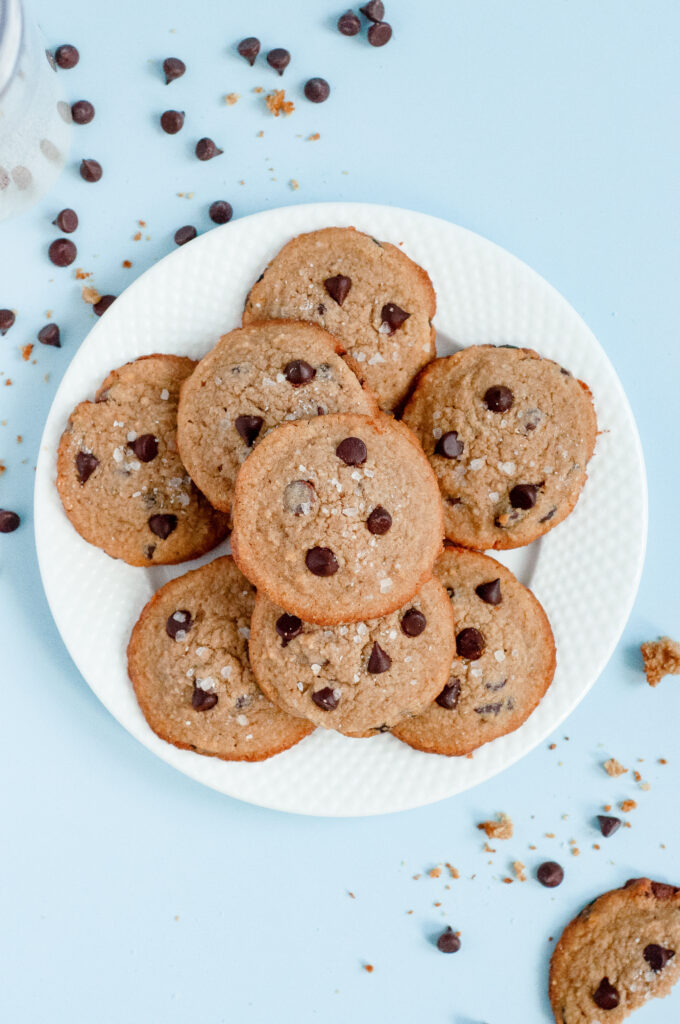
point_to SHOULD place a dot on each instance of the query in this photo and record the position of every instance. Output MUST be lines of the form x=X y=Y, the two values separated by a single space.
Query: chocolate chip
x=66 y=56
x=498 y=398
x=103 y=304
x=172 y=121
x=317 y=90
x=62 y=252
x=489 y=709
x=449 y=696
x=608 y=825
x=496 y=686
x=606 y=996
x=448 y=941
x=321 y=561
x=7 y=319
x=220 y=211
x=297 y=372
x=163 y=525
x=379 y=521
x=288 y=627
x=338 y=287
x=174 y=68
x=349 y=24
x=66 y=220
x=451 y=592
x=248 y=427
x=394 y=316
x=203 y=700
x=321 y=309
x=82 y=112
x=326 y=699
x=449 y=446
x=379 y=660
x=299 y=497
x=413 y=622
x=523 y=496
x=206 y=149
x=149 y=550
x=657 y=956
x=179 y=622
x=470 y=644
x=9 y=521
x=663 y=891
x=145 y=447
x=278 y=59
x=249 y=49
x=379 y=33
x=352 y=451
x=185 y=234
x=49 y=335
x=86 y=463
x=550 y=874
x=549 y=516
x=490 y=592
x=90 y=170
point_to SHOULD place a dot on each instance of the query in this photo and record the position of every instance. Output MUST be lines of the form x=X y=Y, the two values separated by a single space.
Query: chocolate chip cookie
x=337 y=519
x=509 y=435
x=369 y=294
x=622 y=950
x=254 y=379
x=503 y=664
x=188 y=662
x=360 y=678
x=119 y=474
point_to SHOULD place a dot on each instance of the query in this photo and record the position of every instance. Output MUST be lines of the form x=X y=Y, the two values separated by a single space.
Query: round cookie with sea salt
x=338 y=518
x=503 y=663
x=256 y=378
x=369 y=294
x=360 y=678
x=119 y=473
x=188 y=663
x=509 y=435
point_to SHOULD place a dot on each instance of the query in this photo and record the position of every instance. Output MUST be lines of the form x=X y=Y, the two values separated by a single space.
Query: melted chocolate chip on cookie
x=297 y=372
x=248 y=427
x=86 y=463
x=606 y=996
x=163 y=524
x=393 y=316
x=145 y=447
x=470 y=644
x=352 y=451
x=449 y=446
x=326 y=699
x=288 y=627
x=379 y=660
x=490 y=592
x=203 y=700
x=449 y=696
x=321 y=561
x=338 y=287
x=657 y=957
x=524 y=496
x=413 y=622
x=498 y=398
x=179 y=624
x=379 y=521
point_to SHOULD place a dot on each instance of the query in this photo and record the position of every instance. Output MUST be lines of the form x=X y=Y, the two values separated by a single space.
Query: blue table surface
x=129 y=892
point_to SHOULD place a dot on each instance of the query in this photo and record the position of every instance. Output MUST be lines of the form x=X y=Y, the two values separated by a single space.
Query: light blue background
x=130 y=893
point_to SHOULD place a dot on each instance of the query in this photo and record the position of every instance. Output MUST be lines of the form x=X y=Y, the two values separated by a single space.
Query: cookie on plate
x=254 y=379
x=622 y=950
x=338 y=518
x=119 y=474
x=509 y=435
x=503 y=664
x=369 y=294
x=359 y=678
x=188 y=662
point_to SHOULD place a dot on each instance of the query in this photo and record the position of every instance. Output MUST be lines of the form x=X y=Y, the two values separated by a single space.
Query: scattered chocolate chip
x=379 y=521
x=86 y=463
x=550 y=874
x=103 y=304
x=206 y=149
x=317 y=90
x=185 y=234
x=413 y=622
x=299 y=497
x=523 y=496
x=7 y=319
x=449 y=696
x=349 y=24
x=498 y=398
x=220 y=211
x=606 y=996
x=9 y=521
x=172 y=121
x=163 y=525
x=379 y=33
x=278 y=59
x=608 y=825
x=249 y=49
x=179 y=622
x=321 y=561
x=49 y=335
x=663 y=891
x=352 y=451
x=248 y=427
x=90 y=170
x=490 y=592
x=470 y=644
x=394 y=316
x=173 y=68
x=203 y=700
x=66 y=220
x=489 y=709
x=326 y=699
x=297 y=372
x=62 y=252
x=549 y=516
x=145 y=447
x=657 y=957
x=82 y=112
x=338 y=287
x=288 y=627
x=379 y=660
x=66 y=56
x=449 y=446
x=448 y=941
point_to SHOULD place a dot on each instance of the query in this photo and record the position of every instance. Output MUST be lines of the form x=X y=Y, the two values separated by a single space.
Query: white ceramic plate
x=585 y=572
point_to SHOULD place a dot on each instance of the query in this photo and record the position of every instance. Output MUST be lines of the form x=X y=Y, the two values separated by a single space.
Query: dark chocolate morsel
x=163 y=524
x=248 y=427
x=490 y=592
x=449 y=446
x=321 y=561
x=379 y=521
x=325 y=699
x=393 y=316
x=449 y=696
x=86 y=463
x=524 y=496
x=550 y=874
x=657 y=956
x=413 y=622
x=606 y=996
x=203 y=700
x=448 y=941
x=352 y=451
x=379 y=660
x=288 y=627
x=338 y=287
x=145 y=447
x=470 y=643
x=498 y=398
x=179 y=622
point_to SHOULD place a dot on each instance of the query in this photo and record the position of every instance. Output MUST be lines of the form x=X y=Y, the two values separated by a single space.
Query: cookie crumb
x=662 y=760
x=575 y=851
x=278 y=104
x=368 y=968
x=82 y=275
x=508 y=881
x=500 y=829
x=646 y=786
x=231 y=98
x=294 y=184
x=488 y=849
x=351 y=895
x=260 y=135
x=637 y=776
x=90 y=295
x=518 y=868
x=435 y=872
x=607 y=807
x=552 y=746
x=138 y=235
x=454 y=872
x=258 y=89
x=314 y=137
x=127 y=264
x=627 y=805
x=614 y=767
x=661 y=658
x=26 y=352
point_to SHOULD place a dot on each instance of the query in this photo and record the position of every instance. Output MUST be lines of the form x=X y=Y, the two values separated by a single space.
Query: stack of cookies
x=361 y=477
